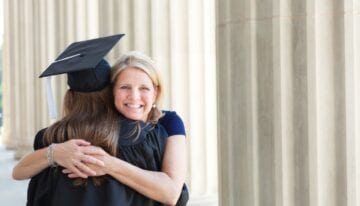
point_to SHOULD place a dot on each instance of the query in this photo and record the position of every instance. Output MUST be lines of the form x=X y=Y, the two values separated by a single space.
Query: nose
x=134 y=94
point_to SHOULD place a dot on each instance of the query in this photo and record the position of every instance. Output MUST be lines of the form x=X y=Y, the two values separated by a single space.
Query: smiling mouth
x=134 y=106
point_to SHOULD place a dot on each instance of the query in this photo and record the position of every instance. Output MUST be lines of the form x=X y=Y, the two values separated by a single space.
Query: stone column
x=288 y=106
x=19 y=70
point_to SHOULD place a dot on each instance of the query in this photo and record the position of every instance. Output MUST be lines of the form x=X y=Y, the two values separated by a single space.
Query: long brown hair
x=90 y=116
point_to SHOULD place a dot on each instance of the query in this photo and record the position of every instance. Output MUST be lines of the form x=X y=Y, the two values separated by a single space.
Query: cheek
x=149 y=98
x=118 y=98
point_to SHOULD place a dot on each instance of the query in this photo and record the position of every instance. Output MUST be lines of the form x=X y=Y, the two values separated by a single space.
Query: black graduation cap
x=84 y=64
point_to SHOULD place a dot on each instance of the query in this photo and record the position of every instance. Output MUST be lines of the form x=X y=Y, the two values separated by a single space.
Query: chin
x=132 y=117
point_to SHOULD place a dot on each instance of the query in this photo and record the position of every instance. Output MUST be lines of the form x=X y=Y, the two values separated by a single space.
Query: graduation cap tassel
x=50 y=100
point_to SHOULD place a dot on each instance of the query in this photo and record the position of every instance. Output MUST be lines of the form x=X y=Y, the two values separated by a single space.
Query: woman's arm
x=30 y=165
x=71 y=154
x=164 y=186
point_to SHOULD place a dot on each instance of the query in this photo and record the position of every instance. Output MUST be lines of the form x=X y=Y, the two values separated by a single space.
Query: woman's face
x=134 y=94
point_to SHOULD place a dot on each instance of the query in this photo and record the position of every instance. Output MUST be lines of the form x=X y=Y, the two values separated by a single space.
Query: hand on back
x=75 y=154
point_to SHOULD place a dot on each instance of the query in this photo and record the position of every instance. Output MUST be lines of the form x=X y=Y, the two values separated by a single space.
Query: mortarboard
x=84 y=64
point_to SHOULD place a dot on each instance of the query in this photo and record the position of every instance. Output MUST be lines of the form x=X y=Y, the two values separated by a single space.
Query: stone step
x=12 y=192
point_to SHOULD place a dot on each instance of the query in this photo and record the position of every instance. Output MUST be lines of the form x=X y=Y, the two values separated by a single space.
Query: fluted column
x=18 y=50
x=36 y=32
x=288 y=102
x=8 y=118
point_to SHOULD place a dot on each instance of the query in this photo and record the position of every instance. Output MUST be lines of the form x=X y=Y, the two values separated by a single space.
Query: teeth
x=133 y=105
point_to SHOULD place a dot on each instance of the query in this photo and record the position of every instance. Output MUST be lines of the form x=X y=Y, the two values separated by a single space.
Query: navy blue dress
x=52 y=188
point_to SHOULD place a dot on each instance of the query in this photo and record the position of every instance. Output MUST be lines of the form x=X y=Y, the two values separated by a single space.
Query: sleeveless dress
x=52 y=188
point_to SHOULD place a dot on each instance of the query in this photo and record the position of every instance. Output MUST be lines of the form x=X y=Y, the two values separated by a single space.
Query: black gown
x=52 y=188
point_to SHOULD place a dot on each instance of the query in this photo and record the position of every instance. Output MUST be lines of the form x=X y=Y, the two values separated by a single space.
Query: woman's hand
x=98 y=169
x=72 y=154
x=75 y=154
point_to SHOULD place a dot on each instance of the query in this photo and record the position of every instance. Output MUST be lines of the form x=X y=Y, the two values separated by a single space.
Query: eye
x=124 y=87
x=145 y=88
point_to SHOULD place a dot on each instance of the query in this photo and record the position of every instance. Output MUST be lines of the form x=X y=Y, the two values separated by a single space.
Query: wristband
x=50 y=155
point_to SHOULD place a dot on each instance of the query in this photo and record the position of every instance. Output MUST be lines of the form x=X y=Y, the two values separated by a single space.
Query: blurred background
x=1 y=58
x=269 y=90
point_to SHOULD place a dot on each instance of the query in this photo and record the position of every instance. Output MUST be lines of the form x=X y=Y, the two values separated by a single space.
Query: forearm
x=72 y=154
x=164 y=186
x=155 y=185
x=31 y=164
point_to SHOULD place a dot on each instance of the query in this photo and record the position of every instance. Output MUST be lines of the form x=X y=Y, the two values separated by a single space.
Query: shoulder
x=172 y=123
x=170 y=117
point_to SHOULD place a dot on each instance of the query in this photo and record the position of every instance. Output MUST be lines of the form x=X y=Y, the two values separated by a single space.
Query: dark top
x=52 y=187
x=172 y=123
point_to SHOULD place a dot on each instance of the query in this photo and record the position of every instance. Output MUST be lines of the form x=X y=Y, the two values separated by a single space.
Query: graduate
x=95 y=155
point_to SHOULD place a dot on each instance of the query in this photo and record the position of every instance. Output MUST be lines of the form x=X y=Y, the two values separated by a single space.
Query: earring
x=154 y=105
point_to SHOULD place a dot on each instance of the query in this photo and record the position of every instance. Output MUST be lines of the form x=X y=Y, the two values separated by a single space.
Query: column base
x=21 y=151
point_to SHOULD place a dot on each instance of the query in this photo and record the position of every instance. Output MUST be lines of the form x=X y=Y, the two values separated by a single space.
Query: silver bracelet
x=50 y=155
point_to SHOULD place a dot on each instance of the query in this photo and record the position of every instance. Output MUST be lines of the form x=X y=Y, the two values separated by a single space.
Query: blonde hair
x=140 y=61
